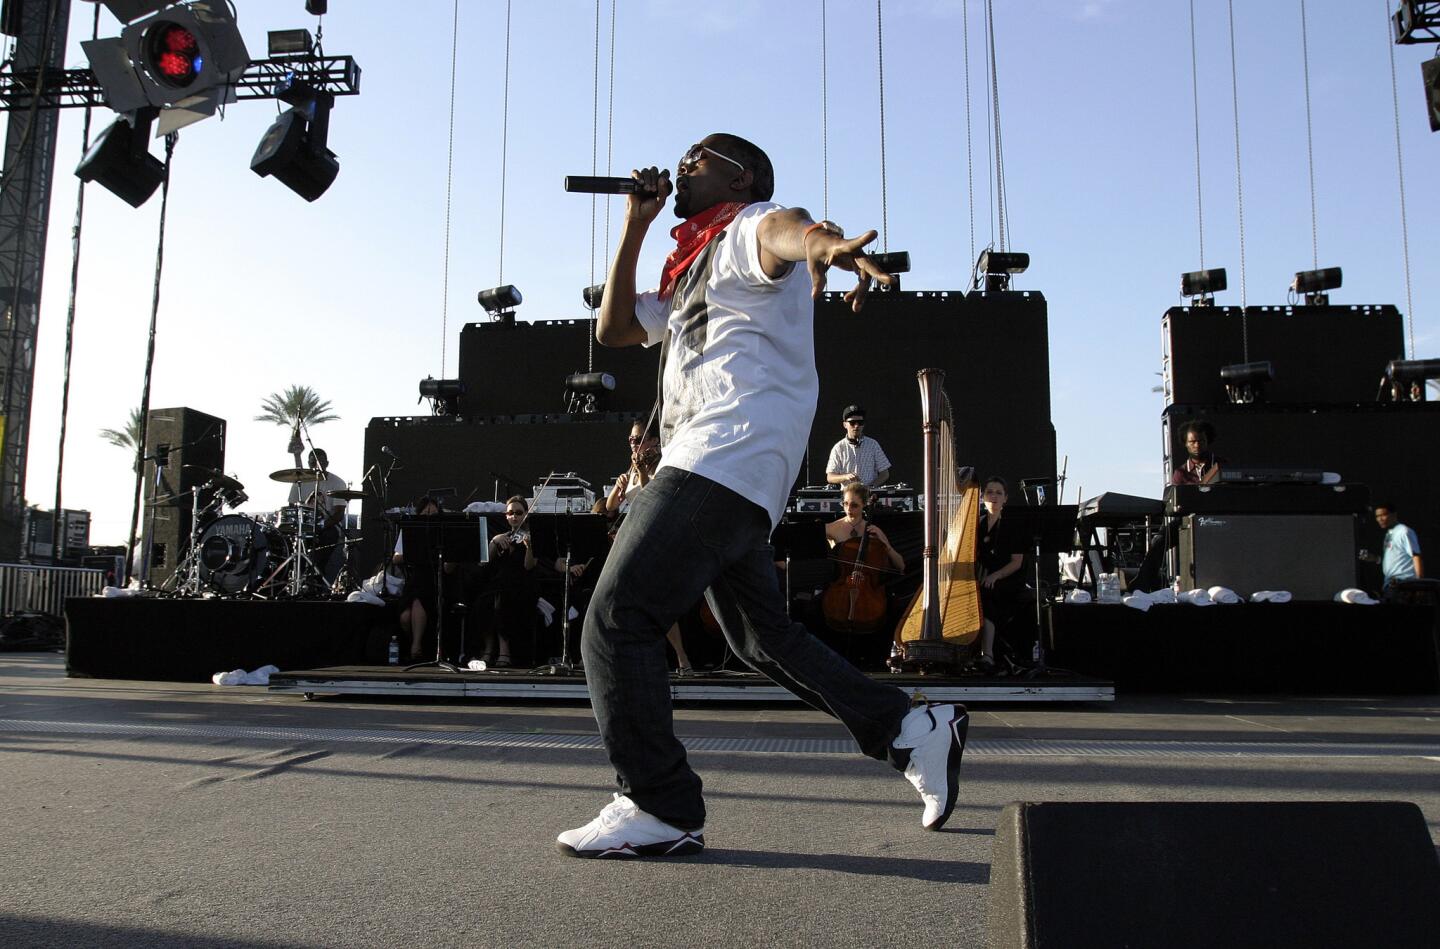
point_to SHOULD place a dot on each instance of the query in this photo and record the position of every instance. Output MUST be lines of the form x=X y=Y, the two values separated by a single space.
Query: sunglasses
x=854 y=421
x=696 y=154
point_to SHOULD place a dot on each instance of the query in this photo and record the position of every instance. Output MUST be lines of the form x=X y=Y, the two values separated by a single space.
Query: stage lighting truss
x=444 y=394
x=1417 y=21
x=1200 y=286
x=182 y=58
x=583 y=391
x=994 y=269
x=1312 y=284
x=1245 y=382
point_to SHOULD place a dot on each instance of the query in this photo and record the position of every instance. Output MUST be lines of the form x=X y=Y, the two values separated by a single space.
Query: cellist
x=854 y=497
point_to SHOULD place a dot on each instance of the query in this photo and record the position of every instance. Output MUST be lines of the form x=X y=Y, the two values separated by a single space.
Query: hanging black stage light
x=1245 y=382
x=500 y=302
x=994 y=268
x=293 y=149
x=593 y=296
x=1202 y=285
x=1312 y=284
x=120 y=162
x=1430 y=73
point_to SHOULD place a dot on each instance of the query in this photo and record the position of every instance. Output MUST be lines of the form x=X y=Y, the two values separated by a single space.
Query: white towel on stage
x=1139 y=601
x=1197 y=597
x=1078 y=596
x=1353 y=595
x=1224 y=595
x=1163 y=595
x=260 y=676
x=1270 y=596
x=364 y=596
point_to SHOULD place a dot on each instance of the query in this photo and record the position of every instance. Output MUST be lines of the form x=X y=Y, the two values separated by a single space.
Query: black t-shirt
x=996 y=547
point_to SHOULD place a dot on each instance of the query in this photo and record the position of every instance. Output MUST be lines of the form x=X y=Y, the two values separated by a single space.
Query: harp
x=942 y=623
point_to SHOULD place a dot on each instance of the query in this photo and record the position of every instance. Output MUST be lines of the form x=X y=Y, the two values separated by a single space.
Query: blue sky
x=262 y=290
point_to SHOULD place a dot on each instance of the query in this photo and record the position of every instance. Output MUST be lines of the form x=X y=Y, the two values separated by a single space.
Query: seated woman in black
x=514 y=582
x=417 y=599
x=1001 y=552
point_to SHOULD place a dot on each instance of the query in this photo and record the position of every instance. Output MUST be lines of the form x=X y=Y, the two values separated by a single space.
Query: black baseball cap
x=853 y=411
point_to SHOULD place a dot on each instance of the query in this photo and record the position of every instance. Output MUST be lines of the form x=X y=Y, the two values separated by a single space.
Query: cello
x=854 y=601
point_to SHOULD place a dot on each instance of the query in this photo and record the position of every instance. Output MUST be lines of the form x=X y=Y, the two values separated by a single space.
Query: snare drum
x=296 y=520
x=237 y=553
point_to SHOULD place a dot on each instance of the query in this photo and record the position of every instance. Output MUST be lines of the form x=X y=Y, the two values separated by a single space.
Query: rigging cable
x=1000 y=212
x=1195 y=98
x=884 y=190
x=449 y=188
x=609 y=157
x=1400 y=167
x=504 y=143
x=989 y=136
x=1309 y=140
x=56 y=532
x=969 y=152
x=594 y=168
x=144 y=559
x=824 y=118
x=1239 y=187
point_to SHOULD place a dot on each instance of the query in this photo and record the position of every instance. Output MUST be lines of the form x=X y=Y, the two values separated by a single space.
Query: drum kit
x=279 y=556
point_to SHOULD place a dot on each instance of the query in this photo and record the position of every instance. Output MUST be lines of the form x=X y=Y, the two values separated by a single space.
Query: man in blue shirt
x=1400 y=558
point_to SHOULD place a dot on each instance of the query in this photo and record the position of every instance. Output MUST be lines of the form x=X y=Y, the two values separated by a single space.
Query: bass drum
x=237 y=553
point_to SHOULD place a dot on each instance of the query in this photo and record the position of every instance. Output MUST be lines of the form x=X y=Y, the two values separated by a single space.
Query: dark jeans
x=685 y=536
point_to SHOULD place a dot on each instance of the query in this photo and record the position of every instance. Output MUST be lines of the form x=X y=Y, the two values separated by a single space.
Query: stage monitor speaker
x=1283 y=875
x=1310 y=555
x=188 y=437
x=1320 y=353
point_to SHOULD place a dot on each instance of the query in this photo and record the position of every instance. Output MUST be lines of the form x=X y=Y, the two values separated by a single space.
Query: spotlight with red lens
x=175 y=54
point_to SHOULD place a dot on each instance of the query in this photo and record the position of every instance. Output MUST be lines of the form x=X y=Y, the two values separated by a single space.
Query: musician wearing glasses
x=514 y=582
x=734 y=317
x=857 y=456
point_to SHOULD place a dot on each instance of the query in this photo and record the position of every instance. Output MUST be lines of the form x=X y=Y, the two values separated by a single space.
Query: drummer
x=328 y=552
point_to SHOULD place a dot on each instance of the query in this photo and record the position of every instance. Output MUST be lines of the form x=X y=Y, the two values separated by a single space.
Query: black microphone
x=385 y=449
x=585 y=184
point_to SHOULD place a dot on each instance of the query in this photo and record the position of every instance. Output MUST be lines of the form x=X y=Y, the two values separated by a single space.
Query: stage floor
x=722 y=686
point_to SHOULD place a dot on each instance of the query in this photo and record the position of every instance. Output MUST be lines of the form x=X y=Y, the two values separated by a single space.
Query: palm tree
x=127 y=437
x=295 y=406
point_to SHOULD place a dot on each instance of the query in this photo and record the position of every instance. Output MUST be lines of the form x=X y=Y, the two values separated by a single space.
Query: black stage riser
x=994 y=348
x=1394 y=448
x=1319 y=353
x=204 y=438
x=1285 y=875
x=1254 y=648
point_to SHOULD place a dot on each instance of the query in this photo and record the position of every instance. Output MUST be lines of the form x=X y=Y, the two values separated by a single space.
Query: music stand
x=433 y=538
x=799 y=540
x=1051 y=528
x=580 y=537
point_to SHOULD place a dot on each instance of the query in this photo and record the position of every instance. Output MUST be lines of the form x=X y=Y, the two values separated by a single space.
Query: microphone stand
x=564 y=667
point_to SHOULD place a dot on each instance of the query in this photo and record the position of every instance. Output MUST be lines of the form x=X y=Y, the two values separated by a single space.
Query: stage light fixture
x=1313 y=284
x=1245 y=382
x=994 y=269
x=500 y=302
x=584 y=390
x=1430 y=75
x=181 y=57
x=1407 y=378
x=1202 y=285
x=894 y=263
x=593 y=296
x=316 y=7
x=287 y=44
x=120 y=162
x=444 y=394
x=293 y=149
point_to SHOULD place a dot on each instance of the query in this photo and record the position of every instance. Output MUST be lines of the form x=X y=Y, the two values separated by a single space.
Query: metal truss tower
x=29 y=164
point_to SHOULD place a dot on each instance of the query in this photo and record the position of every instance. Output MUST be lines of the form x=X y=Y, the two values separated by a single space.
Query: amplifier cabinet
x=1310 y=555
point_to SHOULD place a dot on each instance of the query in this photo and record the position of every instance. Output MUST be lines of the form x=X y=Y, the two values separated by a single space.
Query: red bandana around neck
x=691 y=237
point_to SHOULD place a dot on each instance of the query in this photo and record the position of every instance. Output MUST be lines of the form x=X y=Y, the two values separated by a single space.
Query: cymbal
x=348 y=495
x=296 y=475
x=219 y=478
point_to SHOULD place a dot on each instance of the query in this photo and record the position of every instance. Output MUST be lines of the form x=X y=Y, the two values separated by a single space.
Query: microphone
x=385 y=449
x=586 y=184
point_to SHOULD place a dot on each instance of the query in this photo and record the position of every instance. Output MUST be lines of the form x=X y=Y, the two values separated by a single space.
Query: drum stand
x=189 y=568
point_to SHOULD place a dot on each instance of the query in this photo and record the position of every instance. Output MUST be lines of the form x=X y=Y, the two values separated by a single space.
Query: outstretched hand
x=824 y=249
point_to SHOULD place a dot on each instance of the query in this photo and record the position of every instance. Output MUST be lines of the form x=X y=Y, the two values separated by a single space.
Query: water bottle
x=394 y=650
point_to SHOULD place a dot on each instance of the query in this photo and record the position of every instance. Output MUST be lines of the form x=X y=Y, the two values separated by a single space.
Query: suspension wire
x=1195 y=101
x=884 y=189
x=824 y=115
x=504 y=143
x=1239 y=184
x=170 y=141
x=594 y=168
x=449 y=188
x=1400 y=168
x=57 y=536
x=1000 y=211
x=1309 y=140
x=969 y=148
x=609 y=156
x=989 y=136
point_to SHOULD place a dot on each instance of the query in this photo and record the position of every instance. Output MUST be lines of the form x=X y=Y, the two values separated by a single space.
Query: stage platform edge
x=742 y=687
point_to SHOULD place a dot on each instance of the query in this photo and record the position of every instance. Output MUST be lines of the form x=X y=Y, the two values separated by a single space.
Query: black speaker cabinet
x=1310 y=555
x=1292 y=875
x=1319 y=353
x=185 y=437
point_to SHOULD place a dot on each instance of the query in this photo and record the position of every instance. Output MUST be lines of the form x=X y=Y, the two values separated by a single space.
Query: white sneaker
x=935 y=735
x=623 y=830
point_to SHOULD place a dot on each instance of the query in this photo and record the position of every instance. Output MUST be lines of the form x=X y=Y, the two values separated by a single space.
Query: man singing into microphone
x=733 y=315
